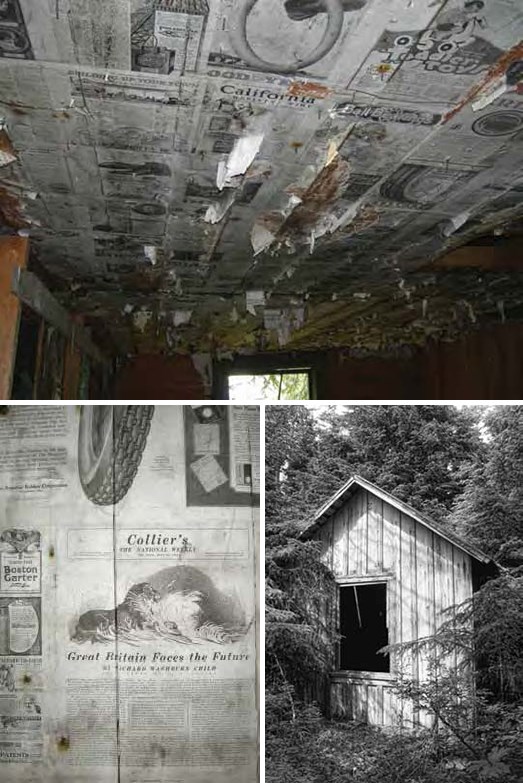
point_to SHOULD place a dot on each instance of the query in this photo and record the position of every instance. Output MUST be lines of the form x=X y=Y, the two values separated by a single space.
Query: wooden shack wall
x=368 y=537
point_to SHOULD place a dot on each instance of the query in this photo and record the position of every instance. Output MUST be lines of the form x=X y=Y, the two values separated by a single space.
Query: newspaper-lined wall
x=127 y=615
x=211 y=147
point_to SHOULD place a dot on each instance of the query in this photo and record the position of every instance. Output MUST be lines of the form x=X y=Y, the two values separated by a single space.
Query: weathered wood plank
x=325 y=553
x=338 y=701
x=13 y=255
x=374 y=535
x=391 y=535
x=360 y=701
x=425 y=604
x=358 y=534
x=349 y=700
x=444 y=592
x=391 y=707
x=462 y=576
x=391 y=564
x=408 y=661
x=374 y=705
x=339 y=542
x=330 y=542
x=351 y=537
x=462 y=591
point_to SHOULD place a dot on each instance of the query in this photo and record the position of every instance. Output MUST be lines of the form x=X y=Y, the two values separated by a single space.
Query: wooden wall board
x=13 y=254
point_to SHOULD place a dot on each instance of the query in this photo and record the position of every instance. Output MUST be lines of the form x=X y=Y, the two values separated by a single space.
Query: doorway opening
x=363 y=628
x=276 y=385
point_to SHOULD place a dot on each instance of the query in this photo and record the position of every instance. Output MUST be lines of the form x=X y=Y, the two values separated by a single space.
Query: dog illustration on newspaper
x=180 y=604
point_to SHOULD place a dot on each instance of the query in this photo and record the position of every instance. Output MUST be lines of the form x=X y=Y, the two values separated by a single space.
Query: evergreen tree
x=416 y=452
x=490 y=509
x=298 y=650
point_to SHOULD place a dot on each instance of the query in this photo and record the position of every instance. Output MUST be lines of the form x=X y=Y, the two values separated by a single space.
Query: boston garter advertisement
x=128 y=593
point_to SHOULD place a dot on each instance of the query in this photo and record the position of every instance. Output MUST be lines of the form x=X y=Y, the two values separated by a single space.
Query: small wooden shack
x=396 y=573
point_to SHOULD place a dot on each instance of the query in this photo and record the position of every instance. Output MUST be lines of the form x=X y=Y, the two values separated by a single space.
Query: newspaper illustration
x=20 y=626
x=166 y=37
x=20 y=561
x=111 y=441
x=310 y=34
x=187 y=609
x=128 y=639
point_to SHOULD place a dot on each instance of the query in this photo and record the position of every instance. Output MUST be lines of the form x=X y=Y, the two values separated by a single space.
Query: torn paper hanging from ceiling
x=254 y=299
x=216 y=212
x=244 y=151
x=284 y=322
x=181 y=317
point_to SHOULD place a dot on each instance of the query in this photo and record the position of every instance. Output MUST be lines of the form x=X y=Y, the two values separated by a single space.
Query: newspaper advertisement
x=128 y=618
x=335 y=43
x=245 y=456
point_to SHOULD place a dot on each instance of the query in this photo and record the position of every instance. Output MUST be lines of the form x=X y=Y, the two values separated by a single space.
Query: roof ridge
x=402 y=506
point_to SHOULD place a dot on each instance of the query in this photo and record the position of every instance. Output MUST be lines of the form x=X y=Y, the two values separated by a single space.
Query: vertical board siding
x=390 y=707
x=339 y=542
x=425 y=603
x=351 y=538
x=462 y=576
x=337 y=700
x=323 y=538
x=375 y=705
x=369 y=702
x=426 y=575
x=374 y=534
x=330 y=542
x=445 y=581
x=391 y=564
x=407 y=578
x=358 y=535
x=360 y=701
x=391 y=522
x=462 y=591
x=440 y=598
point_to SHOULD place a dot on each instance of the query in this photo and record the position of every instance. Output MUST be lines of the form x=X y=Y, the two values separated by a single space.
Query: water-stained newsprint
x=128 y=615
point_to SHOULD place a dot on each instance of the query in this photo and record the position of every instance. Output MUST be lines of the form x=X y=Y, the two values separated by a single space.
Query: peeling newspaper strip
x=128 y=632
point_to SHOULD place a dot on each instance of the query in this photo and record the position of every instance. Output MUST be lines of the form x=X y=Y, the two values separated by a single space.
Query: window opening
x=363 y=628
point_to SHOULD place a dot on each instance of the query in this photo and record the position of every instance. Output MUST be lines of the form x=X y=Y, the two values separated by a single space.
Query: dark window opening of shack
x=363 y=628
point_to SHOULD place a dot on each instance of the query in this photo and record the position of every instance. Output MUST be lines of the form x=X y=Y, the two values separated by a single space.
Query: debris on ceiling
x=222 y=175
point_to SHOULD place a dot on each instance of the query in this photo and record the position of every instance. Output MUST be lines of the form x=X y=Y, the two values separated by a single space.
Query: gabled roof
x=339 y=498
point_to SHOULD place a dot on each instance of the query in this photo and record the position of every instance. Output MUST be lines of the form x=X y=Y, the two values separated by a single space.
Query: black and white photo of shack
x=398 y=574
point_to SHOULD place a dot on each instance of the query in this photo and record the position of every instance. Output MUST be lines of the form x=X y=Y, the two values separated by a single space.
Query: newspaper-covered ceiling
x=171 y=157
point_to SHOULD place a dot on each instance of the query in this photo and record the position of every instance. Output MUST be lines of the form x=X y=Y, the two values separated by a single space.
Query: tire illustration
x=420 y=185
x=111 y=442
x=334 y=10
x=397 y=185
